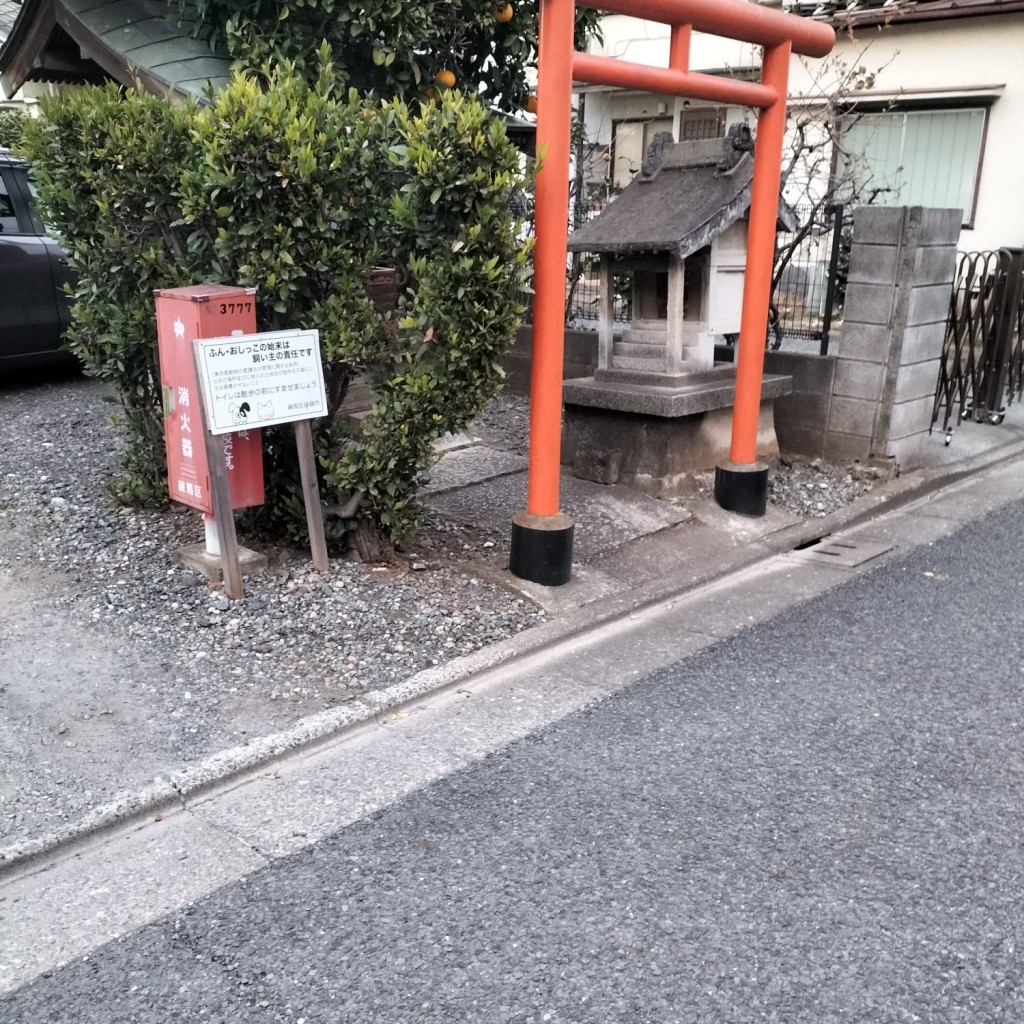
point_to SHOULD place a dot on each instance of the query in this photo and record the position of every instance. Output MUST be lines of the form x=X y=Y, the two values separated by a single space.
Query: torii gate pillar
x=542 y=536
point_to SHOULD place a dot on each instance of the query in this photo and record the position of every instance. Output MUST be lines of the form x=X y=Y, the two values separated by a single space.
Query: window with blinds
x=921 y=157
x=703 y=123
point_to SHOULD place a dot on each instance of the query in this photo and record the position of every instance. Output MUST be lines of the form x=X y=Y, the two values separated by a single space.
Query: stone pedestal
x=195 y=556
x=655 y=437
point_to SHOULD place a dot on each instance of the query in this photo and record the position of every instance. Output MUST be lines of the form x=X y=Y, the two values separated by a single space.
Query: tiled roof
x=8 y=13
x=870 y=12
x=699 y=189
x=125 y=38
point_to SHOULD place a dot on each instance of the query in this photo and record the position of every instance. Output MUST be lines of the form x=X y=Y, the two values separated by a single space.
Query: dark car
x=33 y=270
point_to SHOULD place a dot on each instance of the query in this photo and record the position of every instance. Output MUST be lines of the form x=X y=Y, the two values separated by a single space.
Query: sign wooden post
x=223 y=513
x=311 y=496
x=261 y=380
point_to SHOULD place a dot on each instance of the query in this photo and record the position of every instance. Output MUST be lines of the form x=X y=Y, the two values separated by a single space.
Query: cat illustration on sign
x=179 y=329
x=241 y=414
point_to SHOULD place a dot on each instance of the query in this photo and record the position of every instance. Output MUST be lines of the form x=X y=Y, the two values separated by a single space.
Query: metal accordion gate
x=982 y=369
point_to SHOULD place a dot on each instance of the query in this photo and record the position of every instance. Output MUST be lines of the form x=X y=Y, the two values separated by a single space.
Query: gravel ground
x=103 y=634
x=116 y=666
x=810 y=488
x=505 y=424
x=814 y=489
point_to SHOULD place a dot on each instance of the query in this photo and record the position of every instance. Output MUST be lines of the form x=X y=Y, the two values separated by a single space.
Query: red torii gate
x=542 y=536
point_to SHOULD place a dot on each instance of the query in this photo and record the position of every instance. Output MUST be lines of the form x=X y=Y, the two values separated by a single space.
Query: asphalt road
x=817 y=820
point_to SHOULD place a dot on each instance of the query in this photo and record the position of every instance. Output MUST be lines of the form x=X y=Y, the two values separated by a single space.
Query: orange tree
x=394 y=48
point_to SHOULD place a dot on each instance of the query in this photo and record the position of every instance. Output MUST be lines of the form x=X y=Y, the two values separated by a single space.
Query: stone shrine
x=657 y=408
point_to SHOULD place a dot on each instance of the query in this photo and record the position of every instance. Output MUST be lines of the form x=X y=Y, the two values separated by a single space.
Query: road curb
x=174 y=792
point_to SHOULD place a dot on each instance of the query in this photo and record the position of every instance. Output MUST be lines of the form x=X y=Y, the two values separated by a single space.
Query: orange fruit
x=445 y=78
x=503 y=14
x=531 y=105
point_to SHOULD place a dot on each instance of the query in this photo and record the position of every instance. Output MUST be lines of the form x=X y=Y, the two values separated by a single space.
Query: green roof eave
x=131 y=41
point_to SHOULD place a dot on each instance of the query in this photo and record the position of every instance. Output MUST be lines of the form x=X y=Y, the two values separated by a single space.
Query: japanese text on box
x=258 y=380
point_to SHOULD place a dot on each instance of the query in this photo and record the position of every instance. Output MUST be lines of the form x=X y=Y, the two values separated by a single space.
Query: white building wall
x=646 y=42
x=980 y=58
x=939 y=61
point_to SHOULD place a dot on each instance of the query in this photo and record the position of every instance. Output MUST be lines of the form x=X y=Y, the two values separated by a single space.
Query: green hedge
x=298 y=189
x=12 y=125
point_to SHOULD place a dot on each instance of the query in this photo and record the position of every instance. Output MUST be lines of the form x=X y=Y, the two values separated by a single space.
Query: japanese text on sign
x=258 y=380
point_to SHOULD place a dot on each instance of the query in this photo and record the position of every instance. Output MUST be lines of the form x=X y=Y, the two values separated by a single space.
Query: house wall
x=28 y=97
x=936 y=62
x=646 y=42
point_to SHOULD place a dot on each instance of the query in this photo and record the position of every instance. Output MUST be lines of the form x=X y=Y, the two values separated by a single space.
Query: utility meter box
x=182 y=315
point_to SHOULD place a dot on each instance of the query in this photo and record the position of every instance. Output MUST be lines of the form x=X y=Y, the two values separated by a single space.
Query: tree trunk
x=371 y=545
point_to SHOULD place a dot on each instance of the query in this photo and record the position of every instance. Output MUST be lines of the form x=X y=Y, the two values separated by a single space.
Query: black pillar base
x=542 y=548
x=742 y=487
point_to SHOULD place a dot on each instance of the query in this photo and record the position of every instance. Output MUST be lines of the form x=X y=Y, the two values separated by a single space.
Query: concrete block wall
x=580 y=358
x=897 y=301
x=801 y=417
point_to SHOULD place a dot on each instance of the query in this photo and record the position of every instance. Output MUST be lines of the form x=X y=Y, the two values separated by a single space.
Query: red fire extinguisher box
x=182 y=315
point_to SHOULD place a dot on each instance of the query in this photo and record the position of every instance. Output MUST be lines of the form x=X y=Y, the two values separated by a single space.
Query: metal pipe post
x=679 y=47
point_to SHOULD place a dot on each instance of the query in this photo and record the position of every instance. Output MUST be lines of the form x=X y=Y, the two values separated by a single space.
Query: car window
x=33 y=209
x=8 y=219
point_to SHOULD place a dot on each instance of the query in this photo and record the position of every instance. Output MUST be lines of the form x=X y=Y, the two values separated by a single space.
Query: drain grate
x=847 y=553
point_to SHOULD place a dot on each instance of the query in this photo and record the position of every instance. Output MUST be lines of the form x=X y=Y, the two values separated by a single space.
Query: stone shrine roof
x=687 y=194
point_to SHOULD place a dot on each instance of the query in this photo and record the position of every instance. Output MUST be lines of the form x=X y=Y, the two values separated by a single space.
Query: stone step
x=638 y=363
x=644 y=351
x=689 y=375
x=639 y=336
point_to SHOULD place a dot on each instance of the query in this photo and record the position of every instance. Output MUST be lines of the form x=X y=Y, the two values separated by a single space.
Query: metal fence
x=582 y=296
x=982 y=369
x=809 y=279
x=582 y=289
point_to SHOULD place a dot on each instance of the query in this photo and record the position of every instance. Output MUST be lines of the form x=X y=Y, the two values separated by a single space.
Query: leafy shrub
x=299 y=189
x=458 y=178
x=12 y=124
x=107 y=169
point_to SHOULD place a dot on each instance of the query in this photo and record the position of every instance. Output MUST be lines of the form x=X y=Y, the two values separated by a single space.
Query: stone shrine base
x=620 y=429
